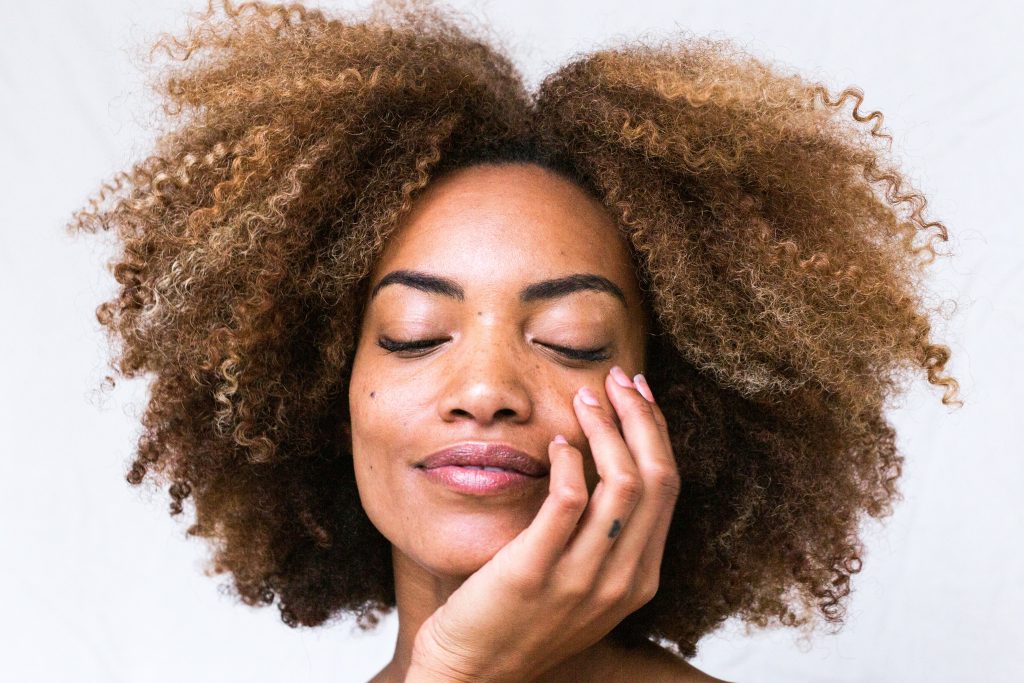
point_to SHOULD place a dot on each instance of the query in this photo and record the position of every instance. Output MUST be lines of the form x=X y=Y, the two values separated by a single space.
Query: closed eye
x=586 y=355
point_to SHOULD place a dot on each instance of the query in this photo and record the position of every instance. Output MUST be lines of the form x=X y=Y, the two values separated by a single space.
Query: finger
x=616 y=494
x=557 y=519
x=640 y=382
x=644 y=429
x=653 y=516
x=649 y=568
x=643 y=425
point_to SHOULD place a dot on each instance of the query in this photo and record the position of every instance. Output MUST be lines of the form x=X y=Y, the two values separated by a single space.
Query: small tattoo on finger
x=616 y=528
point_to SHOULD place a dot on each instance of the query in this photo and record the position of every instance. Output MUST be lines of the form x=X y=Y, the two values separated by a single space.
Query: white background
x=99 y=582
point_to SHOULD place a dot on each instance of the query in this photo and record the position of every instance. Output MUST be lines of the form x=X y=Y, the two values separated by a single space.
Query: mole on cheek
x=372 y=394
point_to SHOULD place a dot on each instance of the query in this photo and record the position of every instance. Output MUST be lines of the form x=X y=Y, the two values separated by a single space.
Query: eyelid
x=593 y=355
x=590 y=355
x=394 y=345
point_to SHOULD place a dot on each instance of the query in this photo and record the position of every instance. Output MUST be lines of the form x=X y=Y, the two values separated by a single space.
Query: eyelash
x=585 y=355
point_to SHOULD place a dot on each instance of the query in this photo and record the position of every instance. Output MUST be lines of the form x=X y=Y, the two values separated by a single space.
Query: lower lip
x=480 y=482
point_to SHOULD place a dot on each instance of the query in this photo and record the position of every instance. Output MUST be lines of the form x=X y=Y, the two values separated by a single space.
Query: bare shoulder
x=659 y=665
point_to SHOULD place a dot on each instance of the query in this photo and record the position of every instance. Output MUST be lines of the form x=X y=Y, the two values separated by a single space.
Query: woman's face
x=496 y=373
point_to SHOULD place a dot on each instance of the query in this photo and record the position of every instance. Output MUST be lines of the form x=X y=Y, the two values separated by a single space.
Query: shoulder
x=653 y=663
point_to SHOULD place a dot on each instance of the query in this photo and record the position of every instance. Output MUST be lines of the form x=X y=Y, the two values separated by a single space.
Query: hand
x=578 y=569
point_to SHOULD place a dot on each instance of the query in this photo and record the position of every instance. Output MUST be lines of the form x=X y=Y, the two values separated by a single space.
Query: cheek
x=378 y=444
x=384 y=446
x=379 y=480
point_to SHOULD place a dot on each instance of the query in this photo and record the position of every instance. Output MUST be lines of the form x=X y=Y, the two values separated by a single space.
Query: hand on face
x=580 y=567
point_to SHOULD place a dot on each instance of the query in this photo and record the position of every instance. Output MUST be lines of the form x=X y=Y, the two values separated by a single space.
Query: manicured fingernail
x=643 y=387
x=559 y=439
x=621 y=378
x=588 y=397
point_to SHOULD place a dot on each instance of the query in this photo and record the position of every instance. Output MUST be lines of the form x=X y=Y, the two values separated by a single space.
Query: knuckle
x=605 y=423
x=638 y=405
x=666 y=481
x=576 y=590
x=646 y=591
x=627 y=486
x=570 y=498
x=618 y=589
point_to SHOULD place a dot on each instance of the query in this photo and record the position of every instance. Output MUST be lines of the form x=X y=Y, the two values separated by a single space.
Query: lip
x=455 y=468
x=485 y=454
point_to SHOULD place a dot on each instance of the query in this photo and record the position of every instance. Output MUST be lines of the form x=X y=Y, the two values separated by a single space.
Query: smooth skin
x=516 y=586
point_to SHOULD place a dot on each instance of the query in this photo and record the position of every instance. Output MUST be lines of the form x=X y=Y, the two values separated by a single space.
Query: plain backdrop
x=99 y=583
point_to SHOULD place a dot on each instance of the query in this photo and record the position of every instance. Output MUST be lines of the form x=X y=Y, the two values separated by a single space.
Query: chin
x=459 y=567
x=465 y=542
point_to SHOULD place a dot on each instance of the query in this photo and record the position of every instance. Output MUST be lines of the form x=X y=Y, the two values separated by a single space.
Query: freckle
x=479 y=312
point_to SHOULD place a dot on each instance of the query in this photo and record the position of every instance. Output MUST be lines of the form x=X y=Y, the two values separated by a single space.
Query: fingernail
x=559 y=439
x=588 y=397
x=621 y=378
x=643 y=387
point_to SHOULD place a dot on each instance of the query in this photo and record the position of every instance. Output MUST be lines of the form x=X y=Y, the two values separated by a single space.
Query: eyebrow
x=544 y=290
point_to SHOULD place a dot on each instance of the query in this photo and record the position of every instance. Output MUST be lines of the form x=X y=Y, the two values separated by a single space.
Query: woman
x=503 y=332
x=367 y=248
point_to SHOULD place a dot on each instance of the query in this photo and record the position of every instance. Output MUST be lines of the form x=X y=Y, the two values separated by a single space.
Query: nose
x=484 y=382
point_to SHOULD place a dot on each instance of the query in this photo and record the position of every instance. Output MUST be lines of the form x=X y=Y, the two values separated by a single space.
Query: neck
x=418 y=594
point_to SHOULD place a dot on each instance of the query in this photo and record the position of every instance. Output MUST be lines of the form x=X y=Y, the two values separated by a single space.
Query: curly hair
x=780 y=251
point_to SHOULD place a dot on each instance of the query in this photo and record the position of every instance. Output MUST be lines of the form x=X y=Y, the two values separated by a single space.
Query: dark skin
x=524 y=585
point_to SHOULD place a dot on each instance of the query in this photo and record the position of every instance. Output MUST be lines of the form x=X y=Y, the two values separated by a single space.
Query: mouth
x=486 y=456
x=480 y=481
x=484 y=468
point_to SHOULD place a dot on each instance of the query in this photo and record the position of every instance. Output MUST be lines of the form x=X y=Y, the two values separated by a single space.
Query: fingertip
x=643 y=387
x=587 y=396
x=564 y=457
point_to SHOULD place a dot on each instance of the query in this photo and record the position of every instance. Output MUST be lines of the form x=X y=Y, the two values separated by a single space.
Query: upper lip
x=486 y=454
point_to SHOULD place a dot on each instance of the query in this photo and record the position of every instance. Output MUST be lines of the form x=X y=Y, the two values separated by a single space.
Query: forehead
x=494 y=226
